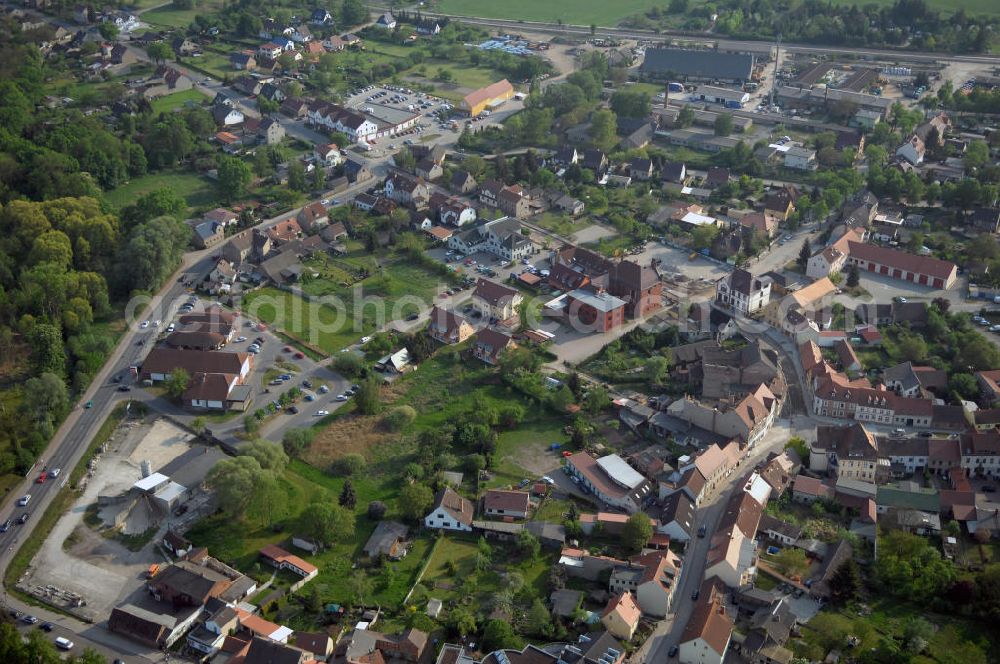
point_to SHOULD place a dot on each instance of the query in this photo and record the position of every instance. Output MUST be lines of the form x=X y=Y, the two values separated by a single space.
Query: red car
x=287 y=349
x=41 y=478
x=300 y=356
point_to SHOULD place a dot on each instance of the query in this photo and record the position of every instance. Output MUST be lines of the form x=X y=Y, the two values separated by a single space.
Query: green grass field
x=197 y=190
x=459 y=553
x=177 y=100
x=607 y=14
x=168 y=17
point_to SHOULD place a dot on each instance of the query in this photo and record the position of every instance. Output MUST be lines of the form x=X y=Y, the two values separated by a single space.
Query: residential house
x=596 y=311
x=406 y=190
x=386 y=21
x=640 y=168
x=717 y=176
x=490 y=344
x=450 y=512
x=621 y=616
x=278 y=558
x=912 y=150
x=462 y=182
x=765 y=224
x=781 y=202
x=448 y=327
x=732 y=553
x=677 y=517
x=328 y=155
x=674 y=172
x=594 y=160
x=495 y=301
x=209 y=234
x=357 y=172
x=652 y=579
x=313 y=217
x=507 y=504
x=271 y=131
x=709 y=630
x=743 y=292
x=748 y=420
x=501 y=237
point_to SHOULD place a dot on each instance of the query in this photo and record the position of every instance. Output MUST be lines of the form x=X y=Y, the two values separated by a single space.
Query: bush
x=349 y=464
x=376 y=510
x=348 y=364
x=399 y=417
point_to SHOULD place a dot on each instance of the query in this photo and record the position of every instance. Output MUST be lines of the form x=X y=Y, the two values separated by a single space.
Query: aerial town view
x=467 y=332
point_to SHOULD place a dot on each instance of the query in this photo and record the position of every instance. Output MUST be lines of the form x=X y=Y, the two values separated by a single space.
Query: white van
x=24 y=500
x=64 y=644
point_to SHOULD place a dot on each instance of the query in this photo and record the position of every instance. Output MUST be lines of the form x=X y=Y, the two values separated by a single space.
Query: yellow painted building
x=492 y=95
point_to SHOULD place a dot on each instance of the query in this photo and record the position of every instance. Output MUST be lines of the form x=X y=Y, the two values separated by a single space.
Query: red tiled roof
x=933 y=267
x=506 y=501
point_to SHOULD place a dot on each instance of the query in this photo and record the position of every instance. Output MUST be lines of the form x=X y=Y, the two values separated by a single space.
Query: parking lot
x=439 y=120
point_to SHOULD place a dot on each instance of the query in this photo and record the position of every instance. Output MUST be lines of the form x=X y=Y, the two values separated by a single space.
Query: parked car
x=322 y=413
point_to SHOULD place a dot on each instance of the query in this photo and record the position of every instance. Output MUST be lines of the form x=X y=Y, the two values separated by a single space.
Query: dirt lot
x=99 y=570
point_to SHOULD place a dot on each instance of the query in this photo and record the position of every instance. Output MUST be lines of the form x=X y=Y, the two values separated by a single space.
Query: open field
x=197 y=190
x=168 y=17
x=177 y=100
x=452 y=574
x=608 y=14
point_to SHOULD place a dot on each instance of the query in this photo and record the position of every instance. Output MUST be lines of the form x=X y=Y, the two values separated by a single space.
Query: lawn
x=391 y=293
x=452 y=575
x=577 y=12
x=197 y=190
x=169 y=17
x=561 y=224
x=608 y=14
x=524 y=452
x=177 y=100
x=238 y=543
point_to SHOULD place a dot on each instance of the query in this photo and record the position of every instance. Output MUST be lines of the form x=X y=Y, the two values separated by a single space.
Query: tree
x=804 y=253
x=562 y=398
x=109 y=31
x=270 y=456
x=703 y=236
x=348 y=498
x=296 y=440
x=359 y=586
x=368 y=398
x=538 y=622
x=792 y=562
x=499 y=635
x=723 y=124
x=159 y=52
x=636 y=532
x=630 y=104
x=415 y=501
x=353 y=12
x=234 y=175
x=177 y=382
x=235 y=482
x=297 y=176
x=528 y=544
x=685 y=118
x=376 y=510
x=845 y=584
x=603 y=129
x=656 y=369
x=964 y=385
x=461 y=621
x=326 y=523
x=350 y=464
x=853 y=276
x=799 y=446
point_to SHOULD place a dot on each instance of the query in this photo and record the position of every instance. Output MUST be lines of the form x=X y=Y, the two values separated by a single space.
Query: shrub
x=399 y=417
x=349 y=464
x=376 y=510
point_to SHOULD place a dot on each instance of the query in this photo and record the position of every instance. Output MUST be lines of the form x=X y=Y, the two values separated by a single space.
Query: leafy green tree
x=538 y=622
x=176 y=382
x=297 y=177
x=636 y=532
x=159 y=52
x=296 y=440
x=792 y=562
x=528 y=544
x=415 y=501
x=359 y=587
x=48 y=354
x=630 y=104
x=234 y=482
x=703 y=236
x=350 y=465
x=368 y=399
x=685 y=117
x=109 y=31
x=845 y=584
x=326 y=523
x=270 y=456
x=723 y=124
x=234 y=176
x=499 y=635
x=562 y=398
x=603 y=129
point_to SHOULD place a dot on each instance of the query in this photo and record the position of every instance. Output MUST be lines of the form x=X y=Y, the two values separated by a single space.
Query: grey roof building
x=697 y=65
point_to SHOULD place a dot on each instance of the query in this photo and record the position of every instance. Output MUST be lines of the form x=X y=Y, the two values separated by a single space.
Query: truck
x=675 y=87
